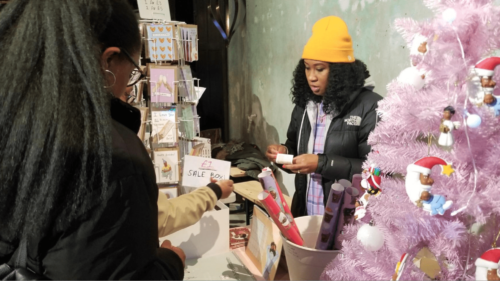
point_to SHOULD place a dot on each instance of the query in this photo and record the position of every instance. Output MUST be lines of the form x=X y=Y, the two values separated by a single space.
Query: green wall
x=268 y=45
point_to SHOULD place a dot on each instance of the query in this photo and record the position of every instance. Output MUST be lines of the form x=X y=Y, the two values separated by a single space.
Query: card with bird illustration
x=166 y=162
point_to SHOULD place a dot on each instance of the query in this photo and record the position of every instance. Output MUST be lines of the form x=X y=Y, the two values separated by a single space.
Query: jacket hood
x=369 y=85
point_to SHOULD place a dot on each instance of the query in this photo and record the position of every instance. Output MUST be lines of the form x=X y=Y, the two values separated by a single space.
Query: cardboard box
x=208 y=237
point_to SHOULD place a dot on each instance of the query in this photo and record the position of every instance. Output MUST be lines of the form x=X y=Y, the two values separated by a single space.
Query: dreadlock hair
x=55 y=124
x=343 y=80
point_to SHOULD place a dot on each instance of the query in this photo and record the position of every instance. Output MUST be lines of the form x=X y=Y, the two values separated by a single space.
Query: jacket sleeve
x=185 y=210
x=335 y=167
x=291 y=136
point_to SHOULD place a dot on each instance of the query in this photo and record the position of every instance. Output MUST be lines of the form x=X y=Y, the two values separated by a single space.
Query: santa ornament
x=485 y=69
x=372 y=183
x=487 y=265
x=419 y=184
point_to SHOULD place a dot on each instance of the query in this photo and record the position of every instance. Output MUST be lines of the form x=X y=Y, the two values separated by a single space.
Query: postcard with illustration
x=166 y=164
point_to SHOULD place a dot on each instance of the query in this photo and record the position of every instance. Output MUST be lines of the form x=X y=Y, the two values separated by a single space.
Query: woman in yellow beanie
x=333 y=116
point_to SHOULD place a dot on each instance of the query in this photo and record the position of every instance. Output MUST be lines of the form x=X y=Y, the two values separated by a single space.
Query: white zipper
x=300 y=130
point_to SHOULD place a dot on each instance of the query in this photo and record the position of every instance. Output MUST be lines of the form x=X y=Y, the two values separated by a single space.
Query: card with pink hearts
x=163 y=83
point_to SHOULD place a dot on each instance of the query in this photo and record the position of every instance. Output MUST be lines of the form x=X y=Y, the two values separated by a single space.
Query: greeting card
x=201 y=147
x=144 y=117
x=186 y=84
x=187 y=121
x=197 y=147
x=162 y=83
x=164 y=129
x=265 y=244
x=160 y=46
x=166 y=162
x=138 y=89
x=196 y=118
x=189 y=36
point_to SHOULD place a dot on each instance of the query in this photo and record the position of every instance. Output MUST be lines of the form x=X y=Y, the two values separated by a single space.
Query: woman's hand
x=273 y=150
x=226 y=186
x=303 y=164
x=168 y=245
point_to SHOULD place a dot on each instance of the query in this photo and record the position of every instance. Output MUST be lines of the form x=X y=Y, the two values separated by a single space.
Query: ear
x=108 y=55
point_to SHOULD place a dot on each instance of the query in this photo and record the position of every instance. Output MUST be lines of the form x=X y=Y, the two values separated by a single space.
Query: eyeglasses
x=137 y=74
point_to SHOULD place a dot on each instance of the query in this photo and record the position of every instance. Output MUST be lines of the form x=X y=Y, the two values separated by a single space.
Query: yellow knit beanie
x=329 y=42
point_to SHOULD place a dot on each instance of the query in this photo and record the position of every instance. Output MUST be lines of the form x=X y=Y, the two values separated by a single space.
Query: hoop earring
x=107 y=87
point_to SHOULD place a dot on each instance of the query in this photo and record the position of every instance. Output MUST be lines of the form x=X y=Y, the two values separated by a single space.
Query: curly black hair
x=343 y=80
x=450 y=108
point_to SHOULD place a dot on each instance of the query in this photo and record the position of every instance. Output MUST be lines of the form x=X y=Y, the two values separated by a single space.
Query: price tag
x=154 y=9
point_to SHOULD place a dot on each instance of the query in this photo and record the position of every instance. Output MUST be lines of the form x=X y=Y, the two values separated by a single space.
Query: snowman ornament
x=418 y=185
x=487 y=265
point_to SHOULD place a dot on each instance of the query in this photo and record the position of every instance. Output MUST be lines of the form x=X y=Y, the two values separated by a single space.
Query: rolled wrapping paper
x=345 y=183
x=280 y=219
x=331 y=217
x=346 y=213
x=284 y=159
x=269 y=183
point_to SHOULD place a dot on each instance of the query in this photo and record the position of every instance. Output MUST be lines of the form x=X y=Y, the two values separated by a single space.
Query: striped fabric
x=315 y=194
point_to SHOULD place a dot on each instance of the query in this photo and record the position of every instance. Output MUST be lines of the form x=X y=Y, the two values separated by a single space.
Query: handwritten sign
x=197 y=171
x=154 y=9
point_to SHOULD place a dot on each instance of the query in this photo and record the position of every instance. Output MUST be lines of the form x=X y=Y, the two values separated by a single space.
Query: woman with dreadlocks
x=333 y=116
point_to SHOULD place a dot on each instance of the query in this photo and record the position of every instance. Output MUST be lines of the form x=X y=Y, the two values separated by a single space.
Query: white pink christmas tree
x=444 y=51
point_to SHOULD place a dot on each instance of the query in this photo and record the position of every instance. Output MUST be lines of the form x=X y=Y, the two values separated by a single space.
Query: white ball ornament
x=412 y=76
x=473 y=120
x=370 y=237
x=477 y=228
x=450 y=15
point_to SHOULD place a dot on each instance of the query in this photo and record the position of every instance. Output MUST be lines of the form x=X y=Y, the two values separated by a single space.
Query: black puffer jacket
x=345 y=145
x=119 y=242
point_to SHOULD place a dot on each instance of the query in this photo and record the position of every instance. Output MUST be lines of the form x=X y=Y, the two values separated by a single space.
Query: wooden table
x=249 y=190
x=237 y=173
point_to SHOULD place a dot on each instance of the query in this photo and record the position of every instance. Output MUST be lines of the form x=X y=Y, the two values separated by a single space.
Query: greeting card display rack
x=168 y=47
